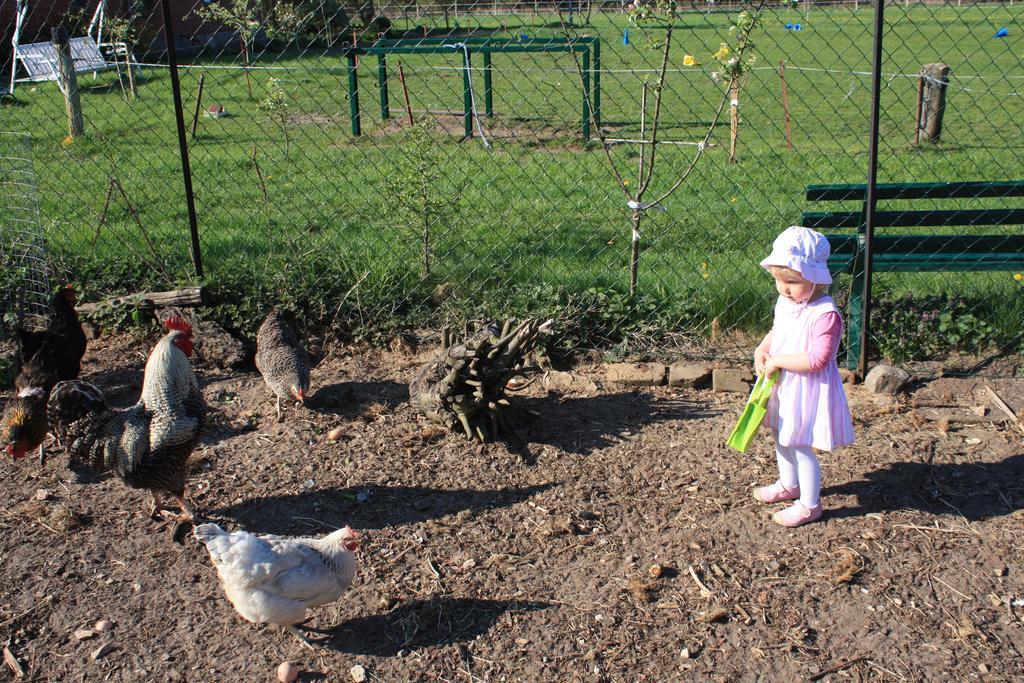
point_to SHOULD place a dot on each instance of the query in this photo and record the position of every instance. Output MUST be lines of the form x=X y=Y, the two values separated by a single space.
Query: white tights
x=799 y=465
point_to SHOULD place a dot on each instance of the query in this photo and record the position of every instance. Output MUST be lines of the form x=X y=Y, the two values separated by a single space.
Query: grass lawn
x=298 y=213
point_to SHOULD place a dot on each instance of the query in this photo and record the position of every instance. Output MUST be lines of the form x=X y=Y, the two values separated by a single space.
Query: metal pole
x=467 y=94
x=353 y=93
x=595 y=65
x=382 y=78
x=179 y=115
x=488 y=93
x=586 y=94
x=872 y=199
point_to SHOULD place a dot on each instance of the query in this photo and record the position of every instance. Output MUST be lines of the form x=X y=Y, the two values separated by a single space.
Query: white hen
x=273 y=580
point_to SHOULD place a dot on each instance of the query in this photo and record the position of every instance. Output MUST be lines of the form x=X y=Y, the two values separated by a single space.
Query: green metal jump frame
x=588 y=47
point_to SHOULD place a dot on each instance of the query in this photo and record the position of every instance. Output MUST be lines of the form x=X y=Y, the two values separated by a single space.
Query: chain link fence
x=411 y=165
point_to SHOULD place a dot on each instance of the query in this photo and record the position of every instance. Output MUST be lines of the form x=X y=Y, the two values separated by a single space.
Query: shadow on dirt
x=368 y=507
x=423 y=623
x=583 y=425
x=348 y=399
x=120 y=386
x=975 y=491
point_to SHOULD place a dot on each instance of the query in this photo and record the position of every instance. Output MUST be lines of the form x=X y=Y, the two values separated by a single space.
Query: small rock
x=42 y=494
x=732 y=379
x=1001 y=570
x=335 y=433
x=103 y=625
x=973 y=441
x=84 y=634
x=689 y=375
x=984 y=668
x=847 y=376
x=102 y=651
x=568 y=382
x=358 y=673
x=287 y=672
x=885 y=379
x=636 y=374
x=685 y=653
x=469 y=564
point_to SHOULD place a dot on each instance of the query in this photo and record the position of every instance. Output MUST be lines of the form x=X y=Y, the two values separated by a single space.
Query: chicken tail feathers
x=208 y=533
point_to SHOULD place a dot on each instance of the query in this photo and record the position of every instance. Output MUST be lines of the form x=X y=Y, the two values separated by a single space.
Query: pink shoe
x=776 y=493
x=797 y=514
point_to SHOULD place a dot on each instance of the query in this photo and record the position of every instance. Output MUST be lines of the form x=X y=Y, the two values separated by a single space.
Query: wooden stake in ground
x=917 y=111
x=68 y=81
x=259 y=175
x=131 y=71
x=734 y=119
x=785 y=104
x=199 y=103
x=934 y=79
x=405 y=92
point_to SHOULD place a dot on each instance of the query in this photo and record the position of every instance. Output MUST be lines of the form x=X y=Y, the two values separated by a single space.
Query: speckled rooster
x=281 y=359
x=148 y=444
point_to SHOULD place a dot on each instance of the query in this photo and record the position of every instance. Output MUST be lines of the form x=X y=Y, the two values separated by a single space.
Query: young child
x=807 y=409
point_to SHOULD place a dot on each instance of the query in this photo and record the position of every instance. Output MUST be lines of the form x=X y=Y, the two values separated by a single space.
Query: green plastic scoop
x=753 y=413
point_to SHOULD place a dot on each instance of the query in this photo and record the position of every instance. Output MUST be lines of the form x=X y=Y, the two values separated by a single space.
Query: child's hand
x=770 y=366
x=760 y=357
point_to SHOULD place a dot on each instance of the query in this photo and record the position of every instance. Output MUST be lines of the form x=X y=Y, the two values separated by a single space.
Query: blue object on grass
x=789 y=26
x=625 y=37
x=523 y=36
x=1002 y=33
x=793 y=27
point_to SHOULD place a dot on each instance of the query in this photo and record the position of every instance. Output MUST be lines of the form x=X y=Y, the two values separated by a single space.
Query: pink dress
x=806 y=408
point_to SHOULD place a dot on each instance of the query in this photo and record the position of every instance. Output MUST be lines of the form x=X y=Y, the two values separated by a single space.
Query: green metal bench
x=915 y=252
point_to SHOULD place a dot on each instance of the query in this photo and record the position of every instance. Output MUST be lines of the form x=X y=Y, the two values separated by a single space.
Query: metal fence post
x=871 y=198
x=179 y=115
x=586 y=93
x=467 y=93
x=488 y=94
x=353 y=93
x=382 y=77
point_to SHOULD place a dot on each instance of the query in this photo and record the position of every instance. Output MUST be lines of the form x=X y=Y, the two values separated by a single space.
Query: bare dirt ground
x=533 y=559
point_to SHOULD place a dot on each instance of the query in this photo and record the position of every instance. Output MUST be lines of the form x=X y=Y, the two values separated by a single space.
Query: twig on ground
x=838 y=667
x=945 y=530
x=965 y=597
x=13 y=662
x=705 y=592
x=1005 y=408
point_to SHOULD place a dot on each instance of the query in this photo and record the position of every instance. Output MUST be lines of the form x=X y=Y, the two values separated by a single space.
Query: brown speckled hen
x=47 y=355
x=148 y=444
x=281 y=359
x=23 y=425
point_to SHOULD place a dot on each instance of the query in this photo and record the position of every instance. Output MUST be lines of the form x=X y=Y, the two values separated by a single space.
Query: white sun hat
x=803 y=250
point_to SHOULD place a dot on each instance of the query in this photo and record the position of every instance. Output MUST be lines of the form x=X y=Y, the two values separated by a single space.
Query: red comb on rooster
x=183 y=341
